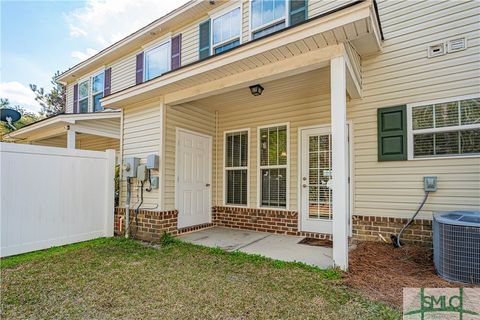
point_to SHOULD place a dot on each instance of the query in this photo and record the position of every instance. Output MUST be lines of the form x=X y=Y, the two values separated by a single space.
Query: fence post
x=110 y=193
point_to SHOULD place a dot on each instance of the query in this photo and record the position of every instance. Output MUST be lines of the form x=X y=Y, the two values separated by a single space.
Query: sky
x=37 y=38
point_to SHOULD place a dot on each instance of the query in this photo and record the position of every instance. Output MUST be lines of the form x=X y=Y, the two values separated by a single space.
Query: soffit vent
x=458 y=44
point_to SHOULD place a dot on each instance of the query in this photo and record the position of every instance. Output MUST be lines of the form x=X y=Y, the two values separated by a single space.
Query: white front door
x=194 y=163
x=316 y=174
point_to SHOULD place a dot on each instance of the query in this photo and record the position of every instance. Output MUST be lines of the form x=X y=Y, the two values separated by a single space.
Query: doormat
x=317 y=242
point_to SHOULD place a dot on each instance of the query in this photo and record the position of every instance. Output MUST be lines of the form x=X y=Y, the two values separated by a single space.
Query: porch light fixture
x=256 y=90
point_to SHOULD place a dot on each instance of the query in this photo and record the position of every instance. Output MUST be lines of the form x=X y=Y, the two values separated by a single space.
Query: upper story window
x=449 y=128
x=267 y=16
x=226 y=30
x=98 y=86
x=83 y=93
x=157 y=61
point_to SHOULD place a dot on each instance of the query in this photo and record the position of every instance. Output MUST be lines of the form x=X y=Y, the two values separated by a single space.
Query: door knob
x=207 y=185
x=304 y=185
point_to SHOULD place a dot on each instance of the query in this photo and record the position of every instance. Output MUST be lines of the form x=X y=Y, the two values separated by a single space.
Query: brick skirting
x=152 y=224
x=368 y=228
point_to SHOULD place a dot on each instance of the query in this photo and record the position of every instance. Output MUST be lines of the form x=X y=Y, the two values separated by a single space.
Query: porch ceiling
x=296 y=50
x=104 y=124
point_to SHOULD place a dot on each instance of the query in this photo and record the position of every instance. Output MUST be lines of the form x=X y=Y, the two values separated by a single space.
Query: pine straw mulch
x=381 y=271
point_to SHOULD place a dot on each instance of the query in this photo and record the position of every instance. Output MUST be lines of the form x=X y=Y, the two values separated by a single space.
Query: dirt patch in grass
x=118 y=278
x=381 y=271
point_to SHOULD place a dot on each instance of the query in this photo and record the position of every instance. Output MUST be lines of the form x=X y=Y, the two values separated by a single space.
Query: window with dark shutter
x=297 y=11
x=176 y=51
x=392 y=133
x=75 y=99
x=108 y=82
x=204 y=39
x=139 y=68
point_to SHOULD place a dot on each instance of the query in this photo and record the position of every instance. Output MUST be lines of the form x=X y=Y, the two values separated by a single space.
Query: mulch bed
x=381 y=271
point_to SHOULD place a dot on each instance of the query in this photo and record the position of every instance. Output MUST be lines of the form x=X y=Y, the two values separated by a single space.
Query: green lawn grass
x=118 y=278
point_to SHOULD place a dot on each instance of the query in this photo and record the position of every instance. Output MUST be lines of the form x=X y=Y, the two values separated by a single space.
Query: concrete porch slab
x=280 y=247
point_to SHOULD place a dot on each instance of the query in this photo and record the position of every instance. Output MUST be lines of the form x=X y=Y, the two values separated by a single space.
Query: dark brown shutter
x=75 y=98
x=176 y=51
x=139 y=68
x=108 y=82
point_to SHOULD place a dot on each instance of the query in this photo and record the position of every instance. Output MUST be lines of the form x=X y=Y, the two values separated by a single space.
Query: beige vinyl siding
x=141 y=137
x=317 y=7
x=123 y=73
x=403 y=74
x=186 y=117
x=189 y=48
x=297 y=112
x=245 y=21
x=69 y=99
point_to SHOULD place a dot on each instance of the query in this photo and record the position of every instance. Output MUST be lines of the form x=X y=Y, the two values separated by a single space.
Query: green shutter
x=204 y=41
x=297 y=11
x=392 y=133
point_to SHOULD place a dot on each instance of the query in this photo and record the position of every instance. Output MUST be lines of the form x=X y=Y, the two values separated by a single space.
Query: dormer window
x=226 y=30
x=157 y=61
x=267 y=16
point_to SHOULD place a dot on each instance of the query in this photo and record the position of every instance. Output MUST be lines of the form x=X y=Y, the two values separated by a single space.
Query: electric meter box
x=130 y=165
x=142 y=172
x=152 y=161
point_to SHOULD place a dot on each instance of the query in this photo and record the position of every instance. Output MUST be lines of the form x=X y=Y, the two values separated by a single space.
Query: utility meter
x=130 y=165
x=430 y=184
x=152 y=161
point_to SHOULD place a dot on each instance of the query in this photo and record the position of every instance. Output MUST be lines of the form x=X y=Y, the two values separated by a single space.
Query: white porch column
x=339 y=161
x=71 y=138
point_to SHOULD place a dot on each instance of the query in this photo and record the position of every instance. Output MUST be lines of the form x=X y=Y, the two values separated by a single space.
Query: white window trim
x=153 y=47
x=259 y=168
x=224 y=200
x=251 y=30
x=218 y=12
x=410 y=131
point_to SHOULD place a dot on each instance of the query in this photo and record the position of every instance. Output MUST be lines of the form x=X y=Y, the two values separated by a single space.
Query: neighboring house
x=361 y=98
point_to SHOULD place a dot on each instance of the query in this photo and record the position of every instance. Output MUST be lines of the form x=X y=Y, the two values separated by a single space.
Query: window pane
x=446 y=143
x=279 y=10
x=274 y=187
x=470 y=141
x=256 y=13
x=236 y=187
x=446 y=114
x=226 y=27
x=227 y=46
x=422 y=117
x=236 y=149
x=470 y=110
x=83 y=105
x=282 y=145
x=157 y=61
x=97 y=83
x=268 y=30
x=272 y=146
x=266 y=11
x=264 y=147
x=83 y=90
x=423 y=145
x=96 y=102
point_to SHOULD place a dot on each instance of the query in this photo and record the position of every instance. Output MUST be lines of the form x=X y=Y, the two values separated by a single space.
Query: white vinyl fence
x=54 y=196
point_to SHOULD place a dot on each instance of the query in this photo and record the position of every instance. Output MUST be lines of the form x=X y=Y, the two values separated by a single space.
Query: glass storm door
x=316 y=191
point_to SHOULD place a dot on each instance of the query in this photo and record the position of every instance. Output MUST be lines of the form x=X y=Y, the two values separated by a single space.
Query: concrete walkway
x=274 y=246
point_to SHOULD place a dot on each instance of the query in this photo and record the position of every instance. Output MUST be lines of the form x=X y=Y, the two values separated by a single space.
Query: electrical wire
x=396 y=238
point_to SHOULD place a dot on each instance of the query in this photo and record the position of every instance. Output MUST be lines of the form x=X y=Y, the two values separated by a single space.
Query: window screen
x=451 y=128
x=236 y=168
x=273 y=166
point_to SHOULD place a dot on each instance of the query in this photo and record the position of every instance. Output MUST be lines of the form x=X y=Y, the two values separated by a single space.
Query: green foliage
x=52 y=102
x=167 y=239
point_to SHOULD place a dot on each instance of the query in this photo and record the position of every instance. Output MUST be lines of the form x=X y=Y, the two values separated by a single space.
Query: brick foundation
x=367 y=228
x=152 y=224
